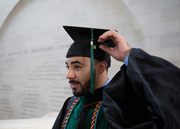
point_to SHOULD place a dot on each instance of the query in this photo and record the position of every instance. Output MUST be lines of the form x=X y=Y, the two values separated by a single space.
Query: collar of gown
x=90 y=99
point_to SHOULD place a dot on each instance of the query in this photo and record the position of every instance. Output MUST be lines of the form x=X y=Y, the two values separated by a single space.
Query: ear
x=101 y=67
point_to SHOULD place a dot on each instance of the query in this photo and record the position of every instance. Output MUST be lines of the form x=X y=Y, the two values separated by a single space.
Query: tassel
x=92 y=63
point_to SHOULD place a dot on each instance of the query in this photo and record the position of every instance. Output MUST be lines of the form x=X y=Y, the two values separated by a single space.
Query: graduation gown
x=81 y=114
x=143 y=95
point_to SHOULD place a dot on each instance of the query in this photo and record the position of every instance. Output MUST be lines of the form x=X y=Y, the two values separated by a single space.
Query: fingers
x=121 y=49
x=113 y=35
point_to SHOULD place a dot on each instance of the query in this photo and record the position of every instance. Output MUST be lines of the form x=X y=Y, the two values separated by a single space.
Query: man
x=86 y=109
x=140 y=96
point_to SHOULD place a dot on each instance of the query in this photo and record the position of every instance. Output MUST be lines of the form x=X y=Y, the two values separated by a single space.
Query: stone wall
x=33 y=45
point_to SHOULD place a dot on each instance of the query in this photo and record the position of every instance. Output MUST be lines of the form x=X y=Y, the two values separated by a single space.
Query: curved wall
x=33 y=45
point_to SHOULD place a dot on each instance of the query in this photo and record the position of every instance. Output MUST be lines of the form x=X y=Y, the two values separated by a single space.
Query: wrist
x=125 y=54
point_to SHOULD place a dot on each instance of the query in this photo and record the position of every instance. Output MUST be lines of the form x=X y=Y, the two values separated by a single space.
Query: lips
x=74 y=84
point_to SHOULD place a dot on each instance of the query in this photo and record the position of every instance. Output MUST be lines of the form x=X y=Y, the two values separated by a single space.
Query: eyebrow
x=74 y=62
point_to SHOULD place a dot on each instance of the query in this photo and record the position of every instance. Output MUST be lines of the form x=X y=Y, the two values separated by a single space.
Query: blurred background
x=33 y=46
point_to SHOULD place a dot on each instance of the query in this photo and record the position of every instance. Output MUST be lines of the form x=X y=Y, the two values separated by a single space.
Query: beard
x=84 y=89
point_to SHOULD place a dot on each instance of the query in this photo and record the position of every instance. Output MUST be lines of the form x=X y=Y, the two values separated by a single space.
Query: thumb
x=105 y=48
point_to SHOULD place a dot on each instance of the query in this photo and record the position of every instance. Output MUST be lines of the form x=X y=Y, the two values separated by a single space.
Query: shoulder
x=69 y=101
x=66 y=106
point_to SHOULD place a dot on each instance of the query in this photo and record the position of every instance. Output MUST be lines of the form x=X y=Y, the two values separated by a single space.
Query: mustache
x=73 y=81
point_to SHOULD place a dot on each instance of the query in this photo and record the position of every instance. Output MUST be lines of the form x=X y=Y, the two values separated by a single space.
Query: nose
x=70 y=74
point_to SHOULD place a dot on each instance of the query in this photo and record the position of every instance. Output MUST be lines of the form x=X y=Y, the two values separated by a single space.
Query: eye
x=77 y=67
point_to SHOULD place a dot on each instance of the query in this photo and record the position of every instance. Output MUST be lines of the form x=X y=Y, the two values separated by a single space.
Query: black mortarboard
x=82 y=39
x=86 y=45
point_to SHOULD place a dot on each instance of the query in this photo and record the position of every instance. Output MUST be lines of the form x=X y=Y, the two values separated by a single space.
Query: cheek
x=84 y=76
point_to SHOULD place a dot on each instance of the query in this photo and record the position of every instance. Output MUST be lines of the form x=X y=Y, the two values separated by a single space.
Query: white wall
x=33 y=45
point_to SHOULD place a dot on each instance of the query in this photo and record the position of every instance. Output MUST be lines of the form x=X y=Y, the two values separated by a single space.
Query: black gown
x=143 y=95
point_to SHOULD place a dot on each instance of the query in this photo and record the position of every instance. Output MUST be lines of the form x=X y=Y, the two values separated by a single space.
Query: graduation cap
x=86 y=45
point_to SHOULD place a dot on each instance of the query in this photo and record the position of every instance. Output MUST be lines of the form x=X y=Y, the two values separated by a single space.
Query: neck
x=101 y=80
